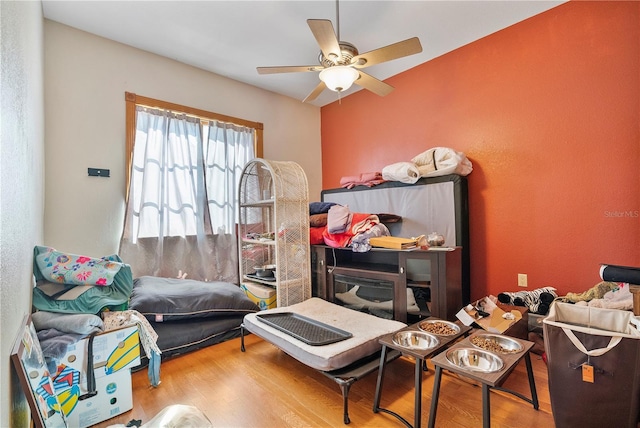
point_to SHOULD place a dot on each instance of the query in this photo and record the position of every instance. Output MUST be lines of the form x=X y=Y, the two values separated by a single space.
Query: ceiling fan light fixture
x=339 y=78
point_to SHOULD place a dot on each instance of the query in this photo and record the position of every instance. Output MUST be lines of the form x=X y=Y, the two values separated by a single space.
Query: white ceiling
x=232 y=38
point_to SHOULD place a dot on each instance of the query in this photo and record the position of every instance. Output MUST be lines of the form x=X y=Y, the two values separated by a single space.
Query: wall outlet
x=522 y=280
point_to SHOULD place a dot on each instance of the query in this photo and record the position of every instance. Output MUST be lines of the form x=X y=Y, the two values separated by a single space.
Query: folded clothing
x=368 y=179
x=316 y=235
x=338 y=219
x=67 y=323
x=318 y=220
x=320 y=207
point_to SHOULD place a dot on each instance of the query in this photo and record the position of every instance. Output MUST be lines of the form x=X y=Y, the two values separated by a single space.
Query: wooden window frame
x=133 y=100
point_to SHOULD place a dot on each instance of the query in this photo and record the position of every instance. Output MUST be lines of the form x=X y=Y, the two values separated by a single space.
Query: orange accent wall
x=548 y=112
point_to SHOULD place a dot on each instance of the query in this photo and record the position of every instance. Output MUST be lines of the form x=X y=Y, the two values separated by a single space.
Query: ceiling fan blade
x=376 y=86
x=314 y=94
x=322 y=30
x=288 y=69
x=387 y=53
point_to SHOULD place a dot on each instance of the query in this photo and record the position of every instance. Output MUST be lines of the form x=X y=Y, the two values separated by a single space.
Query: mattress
x=365 y=330
x=179 y=337
x=187 y=314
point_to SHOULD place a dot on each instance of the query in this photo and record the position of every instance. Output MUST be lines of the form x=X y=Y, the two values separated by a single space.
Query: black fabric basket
x=613 y=399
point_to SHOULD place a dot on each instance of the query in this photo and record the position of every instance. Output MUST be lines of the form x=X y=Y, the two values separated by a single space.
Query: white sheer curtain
x=168 y=225
x=229 y=147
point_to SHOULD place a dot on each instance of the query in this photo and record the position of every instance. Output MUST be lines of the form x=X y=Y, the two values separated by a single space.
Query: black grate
x=307 y=330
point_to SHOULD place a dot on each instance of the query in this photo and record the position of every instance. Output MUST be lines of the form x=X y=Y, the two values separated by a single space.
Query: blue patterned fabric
x=93 y=301
x=66 y=268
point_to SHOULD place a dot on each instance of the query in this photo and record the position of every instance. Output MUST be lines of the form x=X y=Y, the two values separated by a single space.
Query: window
x=183 y=168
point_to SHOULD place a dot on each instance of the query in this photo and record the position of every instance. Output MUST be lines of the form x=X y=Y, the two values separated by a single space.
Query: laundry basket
x=593 y=362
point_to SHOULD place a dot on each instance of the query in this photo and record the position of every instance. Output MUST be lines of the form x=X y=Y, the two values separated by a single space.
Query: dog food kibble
x=438 y=328
x=491 y=345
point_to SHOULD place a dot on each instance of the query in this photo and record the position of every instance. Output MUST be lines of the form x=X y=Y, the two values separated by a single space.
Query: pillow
x=404 y=172
x=66 y=268
x=170 y=299
x=318 y=220
x=440 y=161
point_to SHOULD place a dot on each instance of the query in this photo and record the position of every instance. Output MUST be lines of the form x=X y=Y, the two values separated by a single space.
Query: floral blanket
x=65 y=268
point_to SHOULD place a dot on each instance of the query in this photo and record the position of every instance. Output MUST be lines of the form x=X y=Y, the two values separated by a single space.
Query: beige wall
x=85 y=80
x=21 y=183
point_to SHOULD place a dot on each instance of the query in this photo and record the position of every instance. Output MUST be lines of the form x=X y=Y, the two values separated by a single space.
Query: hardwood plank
x=264 y=387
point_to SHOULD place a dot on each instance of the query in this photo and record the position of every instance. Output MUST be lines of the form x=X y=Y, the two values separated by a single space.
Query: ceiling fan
x=340 y=62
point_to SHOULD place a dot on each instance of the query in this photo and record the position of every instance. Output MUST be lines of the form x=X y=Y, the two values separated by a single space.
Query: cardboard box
x=115 y=352
x=497 y=321
x=393 y=242
x=263 y=295
x=113 y=397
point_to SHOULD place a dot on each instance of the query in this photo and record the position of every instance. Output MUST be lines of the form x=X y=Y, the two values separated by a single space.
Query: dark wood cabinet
x=389 y=273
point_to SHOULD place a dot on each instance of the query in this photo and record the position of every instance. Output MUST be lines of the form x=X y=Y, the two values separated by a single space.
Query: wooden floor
x=264 y=387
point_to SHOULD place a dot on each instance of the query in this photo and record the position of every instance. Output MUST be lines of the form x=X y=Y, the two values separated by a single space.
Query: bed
x=187 y=314
x=346 y=360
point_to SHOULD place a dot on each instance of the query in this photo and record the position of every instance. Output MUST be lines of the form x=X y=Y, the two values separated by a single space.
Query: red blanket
x=360 y=223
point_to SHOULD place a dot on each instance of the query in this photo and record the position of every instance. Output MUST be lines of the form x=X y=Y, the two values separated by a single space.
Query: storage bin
x=593 y=362
x=535 y=322
x=263 y=295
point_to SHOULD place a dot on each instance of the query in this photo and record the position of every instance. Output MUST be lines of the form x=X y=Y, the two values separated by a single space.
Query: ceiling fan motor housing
x=347 y=50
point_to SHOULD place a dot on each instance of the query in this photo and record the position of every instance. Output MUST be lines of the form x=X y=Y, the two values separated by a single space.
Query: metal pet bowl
x=497 y=343
x=476 y=360
x=413 y=339
x=439 y=327
x=266 y=271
